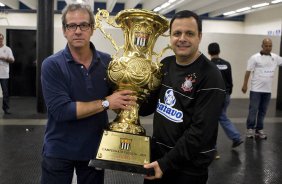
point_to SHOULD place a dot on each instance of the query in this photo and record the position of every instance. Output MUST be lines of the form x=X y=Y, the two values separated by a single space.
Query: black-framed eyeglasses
x=83 y=26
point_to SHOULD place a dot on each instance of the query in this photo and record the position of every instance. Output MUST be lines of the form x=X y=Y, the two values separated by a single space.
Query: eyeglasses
x=83 y=26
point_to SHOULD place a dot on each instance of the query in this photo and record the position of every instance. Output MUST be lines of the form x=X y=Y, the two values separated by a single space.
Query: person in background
x=6 y=57
x=186 y=108
x=262 y=66
x=226 y=72
x=77 y=95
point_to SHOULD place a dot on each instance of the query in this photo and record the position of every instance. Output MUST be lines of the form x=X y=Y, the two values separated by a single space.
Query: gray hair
x=78 y=7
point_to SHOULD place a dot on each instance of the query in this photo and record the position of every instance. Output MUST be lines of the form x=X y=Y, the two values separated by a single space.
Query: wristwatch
x=105 y=104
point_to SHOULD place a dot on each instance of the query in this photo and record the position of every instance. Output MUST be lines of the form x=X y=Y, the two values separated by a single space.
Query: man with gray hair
x=77 y=96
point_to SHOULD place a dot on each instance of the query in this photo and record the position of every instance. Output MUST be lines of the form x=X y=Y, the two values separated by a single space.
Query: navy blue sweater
x=64 y=82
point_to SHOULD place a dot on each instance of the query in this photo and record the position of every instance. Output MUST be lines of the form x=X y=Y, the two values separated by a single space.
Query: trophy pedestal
x=123 y=152
x=119 y=166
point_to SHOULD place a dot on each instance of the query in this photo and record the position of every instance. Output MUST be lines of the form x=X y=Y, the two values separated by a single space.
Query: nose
x=78 y=29
x=182 y=37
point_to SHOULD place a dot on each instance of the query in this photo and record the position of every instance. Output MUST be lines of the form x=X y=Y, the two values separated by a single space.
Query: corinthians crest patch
x=187 y=85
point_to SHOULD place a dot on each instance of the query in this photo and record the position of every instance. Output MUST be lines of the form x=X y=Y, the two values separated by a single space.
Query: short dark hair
x=213 y=48
x=187 y=14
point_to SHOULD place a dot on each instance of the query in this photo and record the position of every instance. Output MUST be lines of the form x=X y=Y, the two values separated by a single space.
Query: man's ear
x=200 y=36
x=64 y=31
x=65 y=35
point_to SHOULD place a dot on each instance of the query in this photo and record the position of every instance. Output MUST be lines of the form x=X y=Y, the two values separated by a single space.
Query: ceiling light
x=276 y=1
x=1 y=4
x=229 y=13
x=77 y=1
x=172 y=6
x=157 y=9
x=243 y=9
x=260 y=5
x=165 y=5
x=249 y=8
x=168 y=6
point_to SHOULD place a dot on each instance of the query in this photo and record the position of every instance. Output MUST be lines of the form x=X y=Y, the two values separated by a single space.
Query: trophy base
x=123 y=151
x=104 y=164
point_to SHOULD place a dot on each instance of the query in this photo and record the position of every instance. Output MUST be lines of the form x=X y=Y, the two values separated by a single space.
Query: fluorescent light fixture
x=260 y=5
x=1 y=4
x=229 y=13
x=157 y=9
x=249 y=8
x=172 y=6
x=243 y=9
x=76 y=1
x=165 y=5
x=276 y=1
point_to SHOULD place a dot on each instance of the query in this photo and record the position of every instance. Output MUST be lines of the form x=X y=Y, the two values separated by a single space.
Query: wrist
x=105 y=104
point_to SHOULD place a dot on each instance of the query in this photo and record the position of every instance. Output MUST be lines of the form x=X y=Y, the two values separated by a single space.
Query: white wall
x=238 y=40
x=219 y=26
x=262 y=22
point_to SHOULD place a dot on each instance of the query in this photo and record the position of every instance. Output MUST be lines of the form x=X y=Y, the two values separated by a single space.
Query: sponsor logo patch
x=166 y=109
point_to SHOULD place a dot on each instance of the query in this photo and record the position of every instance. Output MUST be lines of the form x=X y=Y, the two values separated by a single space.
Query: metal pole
x=45 y=42
x=279 y=88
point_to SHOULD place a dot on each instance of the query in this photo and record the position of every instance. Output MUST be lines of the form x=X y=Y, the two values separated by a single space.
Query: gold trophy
x=124 y=145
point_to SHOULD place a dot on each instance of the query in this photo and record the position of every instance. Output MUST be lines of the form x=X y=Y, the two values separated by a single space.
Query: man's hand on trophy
x=158 y=172
x=122 y=100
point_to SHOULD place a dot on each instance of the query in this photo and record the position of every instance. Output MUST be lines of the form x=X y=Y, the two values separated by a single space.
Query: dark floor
x=254 y=162
x=23 y=108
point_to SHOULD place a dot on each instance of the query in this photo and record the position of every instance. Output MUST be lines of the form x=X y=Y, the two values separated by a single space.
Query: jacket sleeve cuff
x=164 y=164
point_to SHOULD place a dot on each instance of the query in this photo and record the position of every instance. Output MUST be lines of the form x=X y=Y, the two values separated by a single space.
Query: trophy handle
x=158 y=56
x=105 y=15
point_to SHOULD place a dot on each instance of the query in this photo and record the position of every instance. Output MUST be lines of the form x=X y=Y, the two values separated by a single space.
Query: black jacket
x=226 y=72
x=187 y=108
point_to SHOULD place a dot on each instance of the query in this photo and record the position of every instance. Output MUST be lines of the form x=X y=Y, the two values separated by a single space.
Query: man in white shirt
x=262 y=66
x=6 y=57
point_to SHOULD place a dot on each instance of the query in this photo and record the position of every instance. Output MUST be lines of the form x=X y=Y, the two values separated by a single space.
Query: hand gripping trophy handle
x=134 y=70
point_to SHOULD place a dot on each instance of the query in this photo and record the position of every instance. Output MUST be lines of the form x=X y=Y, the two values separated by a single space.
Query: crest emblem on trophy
x=124 y=145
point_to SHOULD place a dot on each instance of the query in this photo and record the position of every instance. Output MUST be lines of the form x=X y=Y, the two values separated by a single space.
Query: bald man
x=6 y=58
x=261 y=66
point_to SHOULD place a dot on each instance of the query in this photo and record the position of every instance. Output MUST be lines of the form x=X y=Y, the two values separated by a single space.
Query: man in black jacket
x=187 y=107
x=226 y=72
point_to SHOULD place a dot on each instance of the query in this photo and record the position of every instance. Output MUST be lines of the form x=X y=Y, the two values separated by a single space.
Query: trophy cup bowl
x=124 y=145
